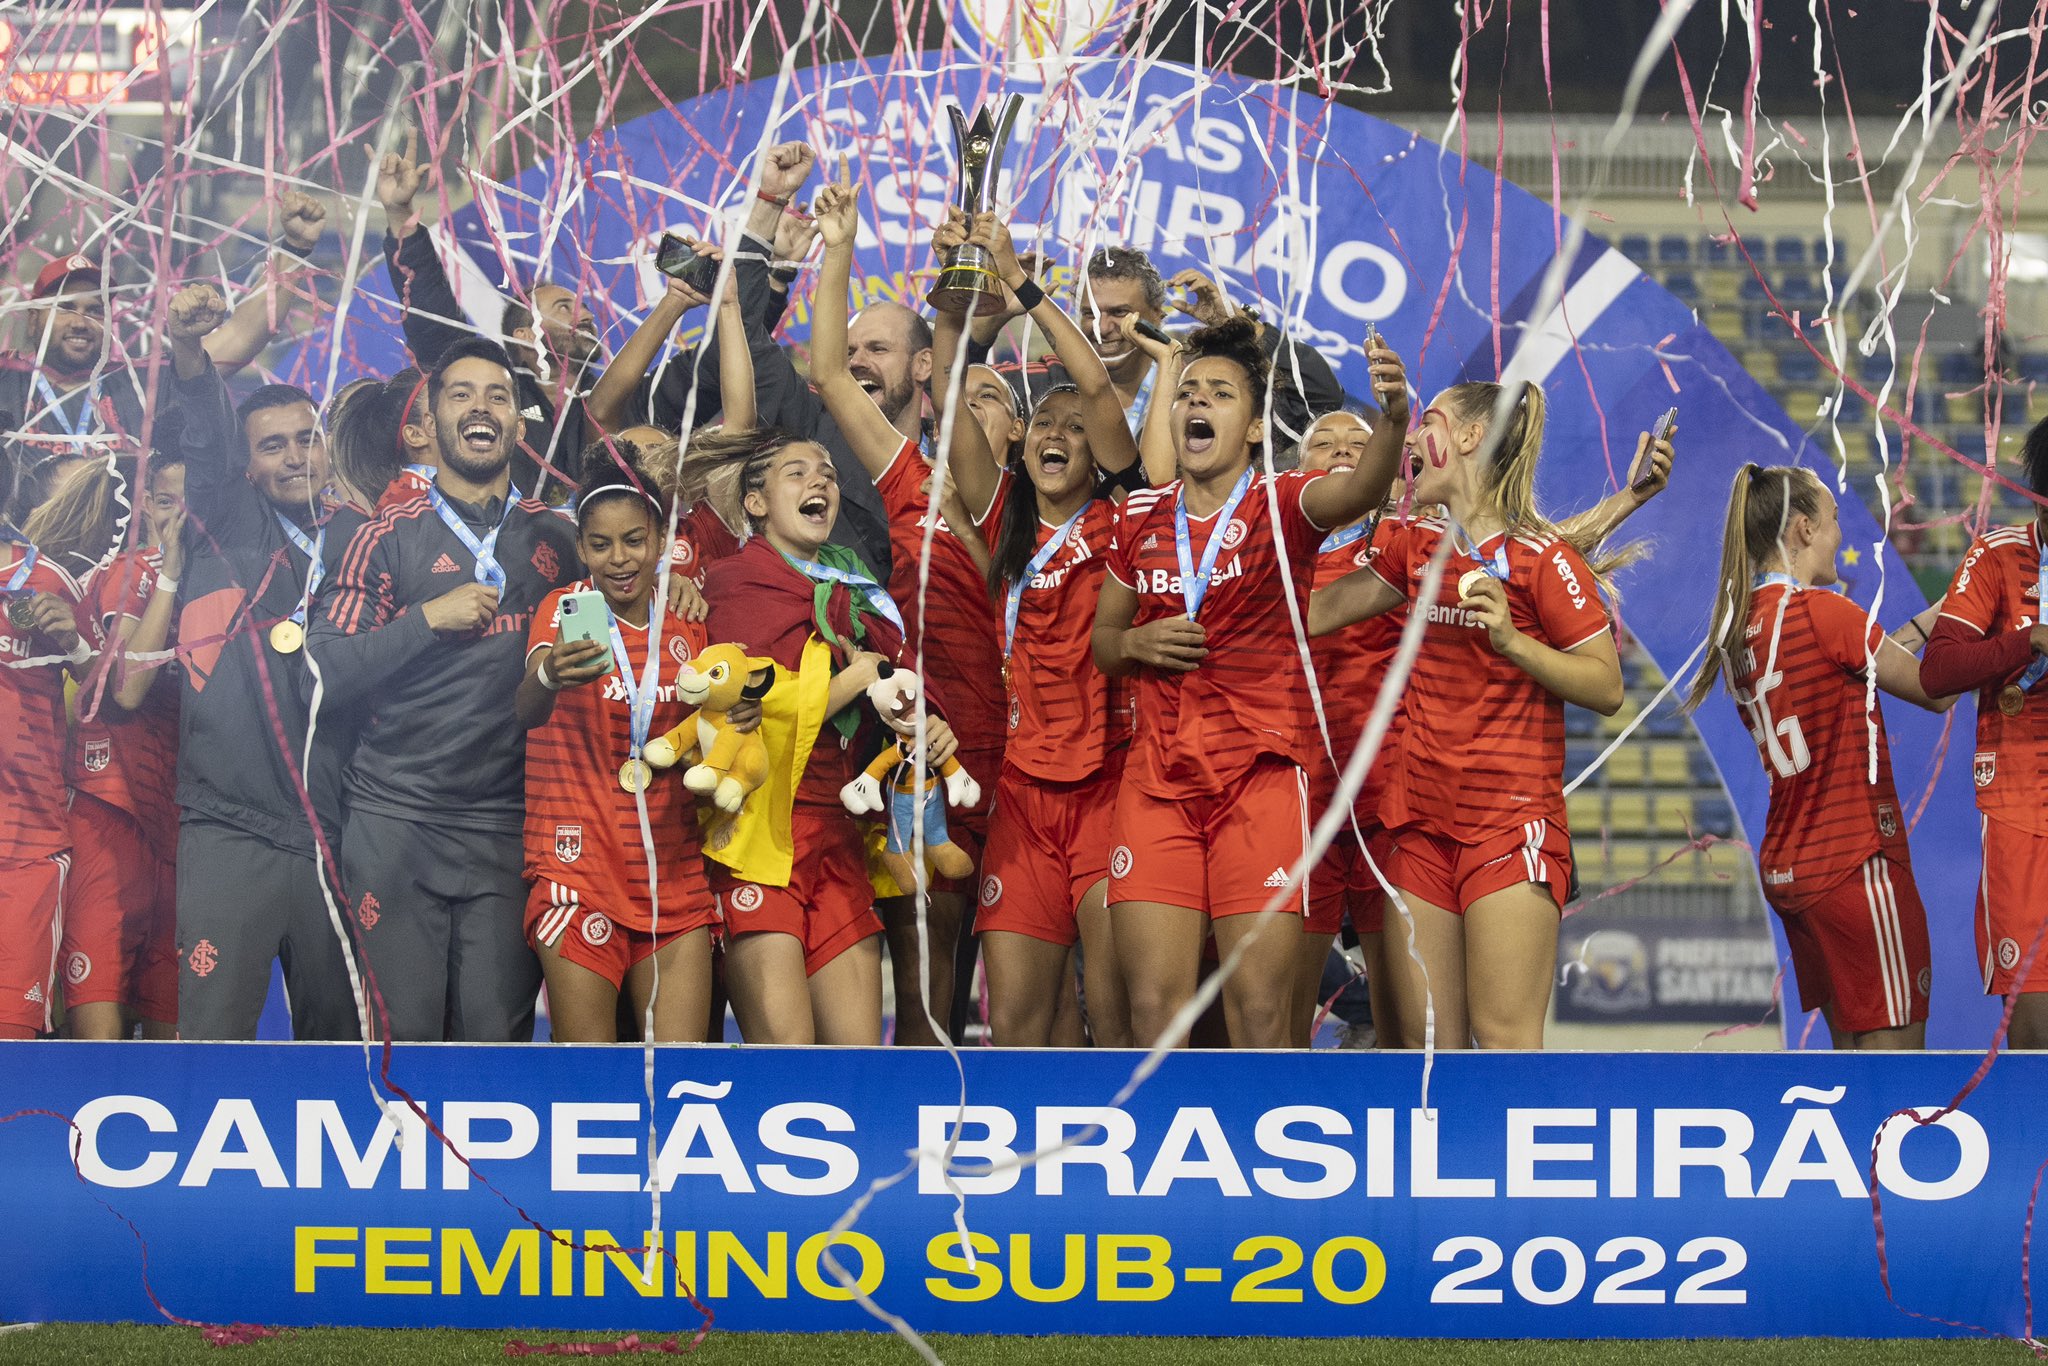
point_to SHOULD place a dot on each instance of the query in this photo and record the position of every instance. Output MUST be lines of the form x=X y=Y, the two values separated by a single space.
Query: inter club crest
x=98 y=754
x=1986 y=767
x=204 y=958
x=1887 y=821
x=545 y=562
x=369 y=912
x=568 y=843
x=597 y=931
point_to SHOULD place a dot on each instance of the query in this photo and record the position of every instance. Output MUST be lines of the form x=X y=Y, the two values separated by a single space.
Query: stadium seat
x=2012 y=404
x=1673 y=814
x=1799 y=367
x=1714 y=816
x=2033 y=366
x=1727 y=326
x=1627 y=813
x=1850 y=408
x=1614 y=862
x=1720 y=286
x=1673 y=250
x=1583 y=812
x=1665 y=723
x=1670 y=765
x=1578 y=722
x=1797 y=288
x=1964 y=409
x=1753 y=290
x=1713 y=251
x=1636 y=247
x=1788 y=251
x=1762 y=365
x=1611 y=726
x=1702 y=768
x=1960 y=367
x=1624 y=768
x=1873 y=369
x=1682 y=287
x=1803 y=405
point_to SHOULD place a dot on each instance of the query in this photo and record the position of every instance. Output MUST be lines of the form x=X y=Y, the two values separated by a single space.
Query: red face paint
x=1438 y=458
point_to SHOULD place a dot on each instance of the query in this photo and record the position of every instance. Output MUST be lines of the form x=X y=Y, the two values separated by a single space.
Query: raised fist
x=302 y=218
x=786 y=168
x=196 y=311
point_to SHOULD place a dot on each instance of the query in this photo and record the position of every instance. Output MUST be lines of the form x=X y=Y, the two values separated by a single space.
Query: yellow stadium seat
x=1673 y=814
x=1965 y=409
x=1611 y=726
x=1726 y=325
x=1670 y=765
x=1801 y=405
x=1624 y=767
x=1582 y=812
x=1621 y=860
x=1761 y=364
x=1628 y=813
x=1721 y=287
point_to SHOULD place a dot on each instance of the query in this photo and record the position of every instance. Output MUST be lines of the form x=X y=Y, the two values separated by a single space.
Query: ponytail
x=82 y=522
x=1511 y=475
x=1760 y=507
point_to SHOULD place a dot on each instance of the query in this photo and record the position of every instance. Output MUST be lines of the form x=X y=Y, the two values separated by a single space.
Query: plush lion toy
x=730 y=766
x=894 y=695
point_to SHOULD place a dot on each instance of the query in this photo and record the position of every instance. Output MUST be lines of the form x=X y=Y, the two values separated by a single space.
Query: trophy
x=967 y=281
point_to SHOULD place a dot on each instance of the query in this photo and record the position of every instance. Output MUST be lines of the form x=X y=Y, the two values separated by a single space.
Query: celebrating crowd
x=678 y=679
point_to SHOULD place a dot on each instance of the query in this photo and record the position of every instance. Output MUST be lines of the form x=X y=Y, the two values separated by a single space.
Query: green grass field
x=103 y=1345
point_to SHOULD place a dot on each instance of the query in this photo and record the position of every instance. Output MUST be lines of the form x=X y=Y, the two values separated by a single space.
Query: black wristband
x=1029 y=295
x=1131 y=478
x=303 y=253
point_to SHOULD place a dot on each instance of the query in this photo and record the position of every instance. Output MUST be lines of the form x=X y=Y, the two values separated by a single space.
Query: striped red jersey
x=958 y=629
x=1997 y=589
x=1351 y=663
x=1482 y=747
x=1065 y=717
x=128 y=759
x=32 y=820
x=701 y=537
x=1801 y=683
x=582 y=827
x=1201 y=730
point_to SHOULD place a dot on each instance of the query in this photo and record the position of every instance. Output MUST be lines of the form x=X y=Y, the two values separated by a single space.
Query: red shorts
x=2010 y=912
x=1453 y=874
x=829 y=904
x=120 y=940
x=1342 y=884
x=1047 y=845
x=557 y=918
x=1859 y=948
x=31 y=896
x=1227 y=853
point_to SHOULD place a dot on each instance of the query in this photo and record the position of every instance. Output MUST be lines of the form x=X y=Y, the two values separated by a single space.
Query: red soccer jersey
x=1801 y=684
x=960 y=634
x=1065 y=716
x=32 y=818
x=1997 y=589
x=1351 y=663
x=1201 y=730
x=1482 y=745
x=582 y=828
x=701 y=537
x=128 y=759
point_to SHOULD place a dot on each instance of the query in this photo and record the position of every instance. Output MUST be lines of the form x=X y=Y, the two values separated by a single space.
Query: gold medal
x=287 y=636
x=2011 y=699
x=635 y=775
x=22 y=611
x=1468 y=581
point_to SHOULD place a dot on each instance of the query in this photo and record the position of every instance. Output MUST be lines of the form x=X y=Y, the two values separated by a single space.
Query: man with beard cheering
x=424 y=626
x=550 y=336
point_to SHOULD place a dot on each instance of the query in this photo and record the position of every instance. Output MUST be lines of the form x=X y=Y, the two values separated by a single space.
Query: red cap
x=51 y=280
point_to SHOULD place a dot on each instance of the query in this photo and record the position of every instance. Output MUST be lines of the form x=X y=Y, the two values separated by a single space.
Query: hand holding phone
x=585 y=617
x=678 y=260
x=1645 y=473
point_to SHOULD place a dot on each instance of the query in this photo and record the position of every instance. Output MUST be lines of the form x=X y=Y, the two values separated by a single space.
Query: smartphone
x=1372 y=336
x=1660 y=432
x=676 y=259
x=1151 y=331
x=584 y=616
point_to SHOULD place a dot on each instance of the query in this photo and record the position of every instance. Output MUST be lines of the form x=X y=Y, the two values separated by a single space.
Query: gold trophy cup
x=967 y=280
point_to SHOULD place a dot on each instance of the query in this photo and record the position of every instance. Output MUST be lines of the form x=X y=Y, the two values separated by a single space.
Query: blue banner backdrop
x=1331 y=219
x=1549 y=1195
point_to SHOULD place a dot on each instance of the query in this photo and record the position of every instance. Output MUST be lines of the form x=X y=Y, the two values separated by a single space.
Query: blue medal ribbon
x=427 y=472
x=1763 y=581
x=1496 y=565
x=1344 y=536
x=640 y=699
x=21 y=571
x=1135 y=414
x=1194 y=583
x=488 y=570
x=1013 y=601
x=88 y=419
x=316 y=571
x=878 y=601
